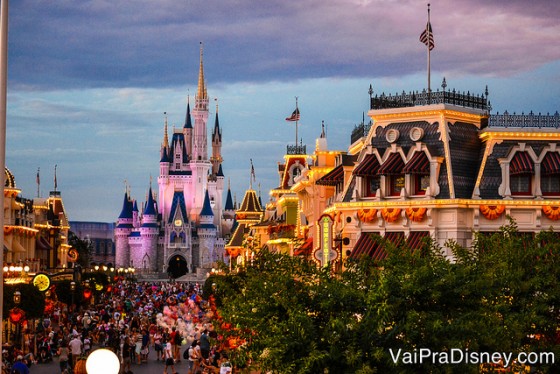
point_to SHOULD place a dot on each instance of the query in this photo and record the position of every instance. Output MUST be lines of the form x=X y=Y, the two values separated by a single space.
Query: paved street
x=152 y=367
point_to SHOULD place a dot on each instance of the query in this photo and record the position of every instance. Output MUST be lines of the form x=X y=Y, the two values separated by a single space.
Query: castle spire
x=201 y=93
x=165 y=138
x=188 y=121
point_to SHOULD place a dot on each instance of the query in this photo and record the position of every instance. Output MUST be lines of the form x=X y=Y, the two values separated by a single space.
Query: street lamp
x=73 y=289
x=17 y=297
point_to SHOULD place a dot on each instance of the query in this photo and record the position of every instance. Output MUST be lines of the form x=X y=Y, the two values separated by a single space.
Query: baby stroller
x=44 y=351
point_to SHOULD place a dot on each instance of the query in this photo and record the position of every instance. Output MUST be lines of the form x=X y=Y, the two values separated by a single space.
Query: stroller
x=44 y=351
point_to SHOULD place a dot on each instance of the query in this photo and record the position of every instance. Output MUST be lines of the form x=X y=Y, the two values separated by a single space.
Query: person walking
x=168 y=355
x=63 y=357
x=75 y=347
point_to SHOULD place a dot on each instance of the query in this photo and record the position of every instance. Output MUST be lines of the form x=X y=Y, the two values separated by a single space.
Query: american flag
x=294 y=117
x=427 y=36
x=252 y=171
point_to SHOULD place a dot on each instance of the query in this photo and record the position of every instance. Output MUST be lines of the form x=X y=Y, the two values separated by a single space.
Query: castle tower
x=206 y=234
x=216 y=158
x=200 y=113
x=146 y=258
x=122 y=231
x=188 y=128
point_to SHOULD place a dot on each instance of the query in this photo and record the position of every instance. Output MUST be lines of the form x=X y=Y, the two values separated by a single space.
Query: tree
x=84 y=248
x=501 y=295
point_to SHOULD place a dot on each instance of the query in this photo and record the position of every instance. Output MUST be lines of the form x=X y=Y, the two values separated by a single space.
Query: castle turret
x=200 y=113
x=122 y=231
x=146 y=257
x=207 y=233
x=188 y=128
x=216 y=158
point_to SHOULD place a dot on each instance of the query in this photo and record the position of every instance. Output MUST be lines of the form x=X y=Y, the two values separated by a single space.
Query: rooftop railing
x=524 y=120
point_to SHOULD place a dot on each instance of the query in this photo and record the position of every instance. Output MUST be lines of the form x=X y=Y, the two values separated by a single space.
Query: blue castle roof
x=207 y=208
x=188 y=122
x=150 y=205
x=126 y=211
x=229 y=200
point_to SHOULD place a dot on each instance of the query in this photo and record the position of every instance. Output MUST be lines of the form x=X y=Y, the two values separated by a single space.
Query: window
x=520 y=174
x=520 y=184
x=396 y=184
x=550 y=184
x=371 y=185
x=421 y=184
x=550 y=174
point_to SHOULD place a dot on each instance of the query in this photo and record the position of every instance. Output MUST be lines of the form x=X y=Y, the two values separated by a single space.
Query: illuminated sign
x=325 y=253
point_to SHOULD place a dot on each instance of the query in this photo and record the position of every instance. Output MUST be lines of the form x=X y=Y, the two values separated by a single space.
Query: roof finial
x=165 y=138
x=216 y=100
x=323 y=135
x=228 y=183
x=125 y=186
x=201 y=95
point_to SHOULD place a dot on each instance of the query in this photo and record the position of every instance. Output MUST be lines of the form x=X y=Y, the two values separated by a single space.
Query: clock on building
x=41 y=281
x=178 y=222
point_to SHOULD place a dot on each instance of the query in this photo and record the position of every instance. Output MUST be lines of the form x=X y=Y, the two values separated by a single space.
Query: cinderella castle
x=183 y=229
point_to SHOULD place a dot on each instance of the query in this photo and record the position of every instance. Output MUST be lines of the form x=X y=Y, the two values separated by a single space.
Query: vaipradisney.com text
x=456 y=356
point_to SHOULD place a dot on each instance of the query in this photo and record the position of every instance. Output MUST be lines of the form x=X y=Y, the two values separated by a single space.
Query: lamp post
x=73 y=290
x=17 y=301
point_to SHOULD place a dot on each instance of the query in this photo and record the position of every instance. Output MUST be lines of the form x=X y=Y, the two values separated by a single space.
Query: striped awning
x=371 y=244
x=551 y=163
x=418 y=164
x=368 y=167
x=367 y=244
x=305 y=248
x=333 y=177
x=414 y=240
x=521 y=163
x=392 y=166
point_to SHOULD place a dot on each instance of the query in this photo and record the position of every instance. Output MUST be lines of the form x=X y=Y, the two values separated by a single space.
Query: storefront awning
x=418 y=164
x=521 y=163
x=368 y=167
x=333 y=177
x=551 y=163
x=414 y=240
x=393 y=165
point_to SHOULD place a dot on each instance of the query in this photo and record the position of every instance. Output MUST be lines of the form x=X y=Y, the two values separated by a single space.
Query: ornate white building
x=181 y=230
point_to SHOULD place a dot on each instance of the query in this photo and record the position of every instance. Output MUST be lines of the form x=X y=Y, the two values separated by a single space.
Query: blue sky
x=89 y=81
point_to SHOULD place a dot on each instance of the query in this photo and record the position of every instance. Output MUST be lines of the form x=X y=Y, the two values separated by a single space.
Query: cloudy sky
x=89 y=81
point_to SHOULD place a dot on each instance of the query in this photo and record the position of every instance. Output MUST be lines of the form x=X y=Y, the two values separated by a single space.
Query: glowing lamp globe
x=102 y=361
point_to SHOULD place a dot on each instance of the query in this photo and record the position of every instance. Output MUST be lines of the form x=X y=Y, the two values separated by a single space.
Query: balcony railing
x=296 y=150
x=411 y=99
x=525 y=120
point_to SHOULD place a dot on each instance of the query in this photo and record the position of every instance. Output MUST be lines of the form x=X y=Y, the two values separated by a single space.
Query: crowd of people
x=170 y=318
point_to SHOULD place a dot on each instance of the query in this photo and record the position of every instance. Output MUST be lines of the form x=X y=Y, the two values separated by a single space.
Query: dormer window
x=520 y=174
x=550 y=174
x=419 y=169
x=392 y=168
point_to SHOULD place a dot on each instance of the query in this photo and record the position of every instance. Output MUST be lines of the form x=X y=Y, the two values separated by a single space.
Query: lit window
x=396 y=184
x=421 y=184
x=371 y=185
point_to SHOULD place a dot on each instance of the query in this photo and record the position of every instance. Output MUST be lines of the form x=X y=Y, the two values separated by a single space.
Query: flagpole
x=3 y=105
x=429 y=66
x=297 y=120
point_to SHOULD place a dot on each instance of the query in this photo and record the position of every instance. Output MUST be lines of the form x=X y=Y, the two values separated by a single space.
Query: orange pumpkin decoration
x=233 y=252
x=492 y=212
x=16 y=315
x=552 y=212
x=415 y=214
x=367 y=215
x=390 y=214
